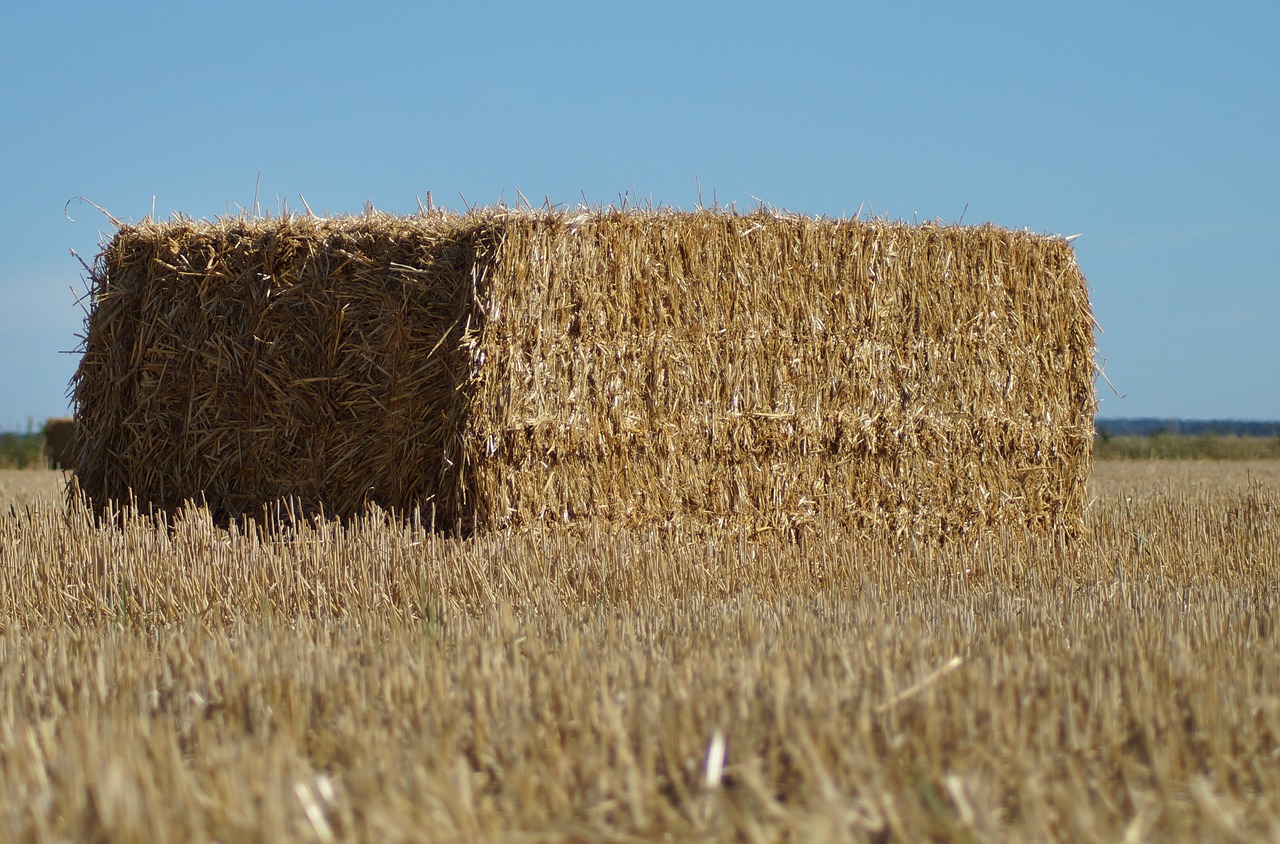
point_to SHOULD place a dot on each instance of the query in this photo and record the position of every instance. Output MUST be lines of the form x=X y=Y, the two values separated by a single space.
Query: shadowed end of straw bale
x=243 y=361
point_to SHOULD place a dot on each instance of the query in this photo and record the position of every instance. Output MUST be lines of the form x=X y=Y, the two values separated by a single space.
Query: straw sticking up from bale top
x=519 y=368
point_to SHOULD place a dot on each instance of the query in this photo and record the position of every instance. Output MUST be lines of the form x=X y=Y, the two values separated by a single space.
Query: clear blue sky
x=1152 y=129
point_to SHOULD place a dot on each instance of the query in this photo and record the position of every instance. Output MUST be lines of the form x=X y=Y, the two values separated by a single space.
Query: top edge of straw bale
x=497 y=215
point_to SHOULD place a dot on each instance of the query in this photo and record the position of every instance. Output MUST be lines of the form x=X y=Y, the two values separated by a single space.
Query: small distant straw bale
x=59 y=442
x=514 y=368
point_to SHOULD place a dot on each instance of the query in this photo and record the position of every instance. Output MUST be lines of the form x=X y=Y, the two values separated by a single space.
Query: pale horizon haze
x=1151 y=130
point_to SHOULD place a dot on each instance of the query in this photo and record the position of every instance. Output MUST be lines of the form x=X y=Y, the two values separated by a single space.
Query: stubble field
x=379 y=682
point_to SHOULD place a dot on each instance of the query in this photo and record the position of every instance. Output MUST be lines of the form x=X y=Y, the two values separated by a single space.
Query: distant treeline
x=1118 y=439
x=1181 y=439
x=1185 y=427
x=21 y=451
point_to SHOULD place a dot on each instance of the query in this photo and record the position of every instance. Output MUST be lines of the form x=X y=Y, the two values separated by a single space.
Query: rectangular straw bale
x=517 y=368
x=59 y=441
